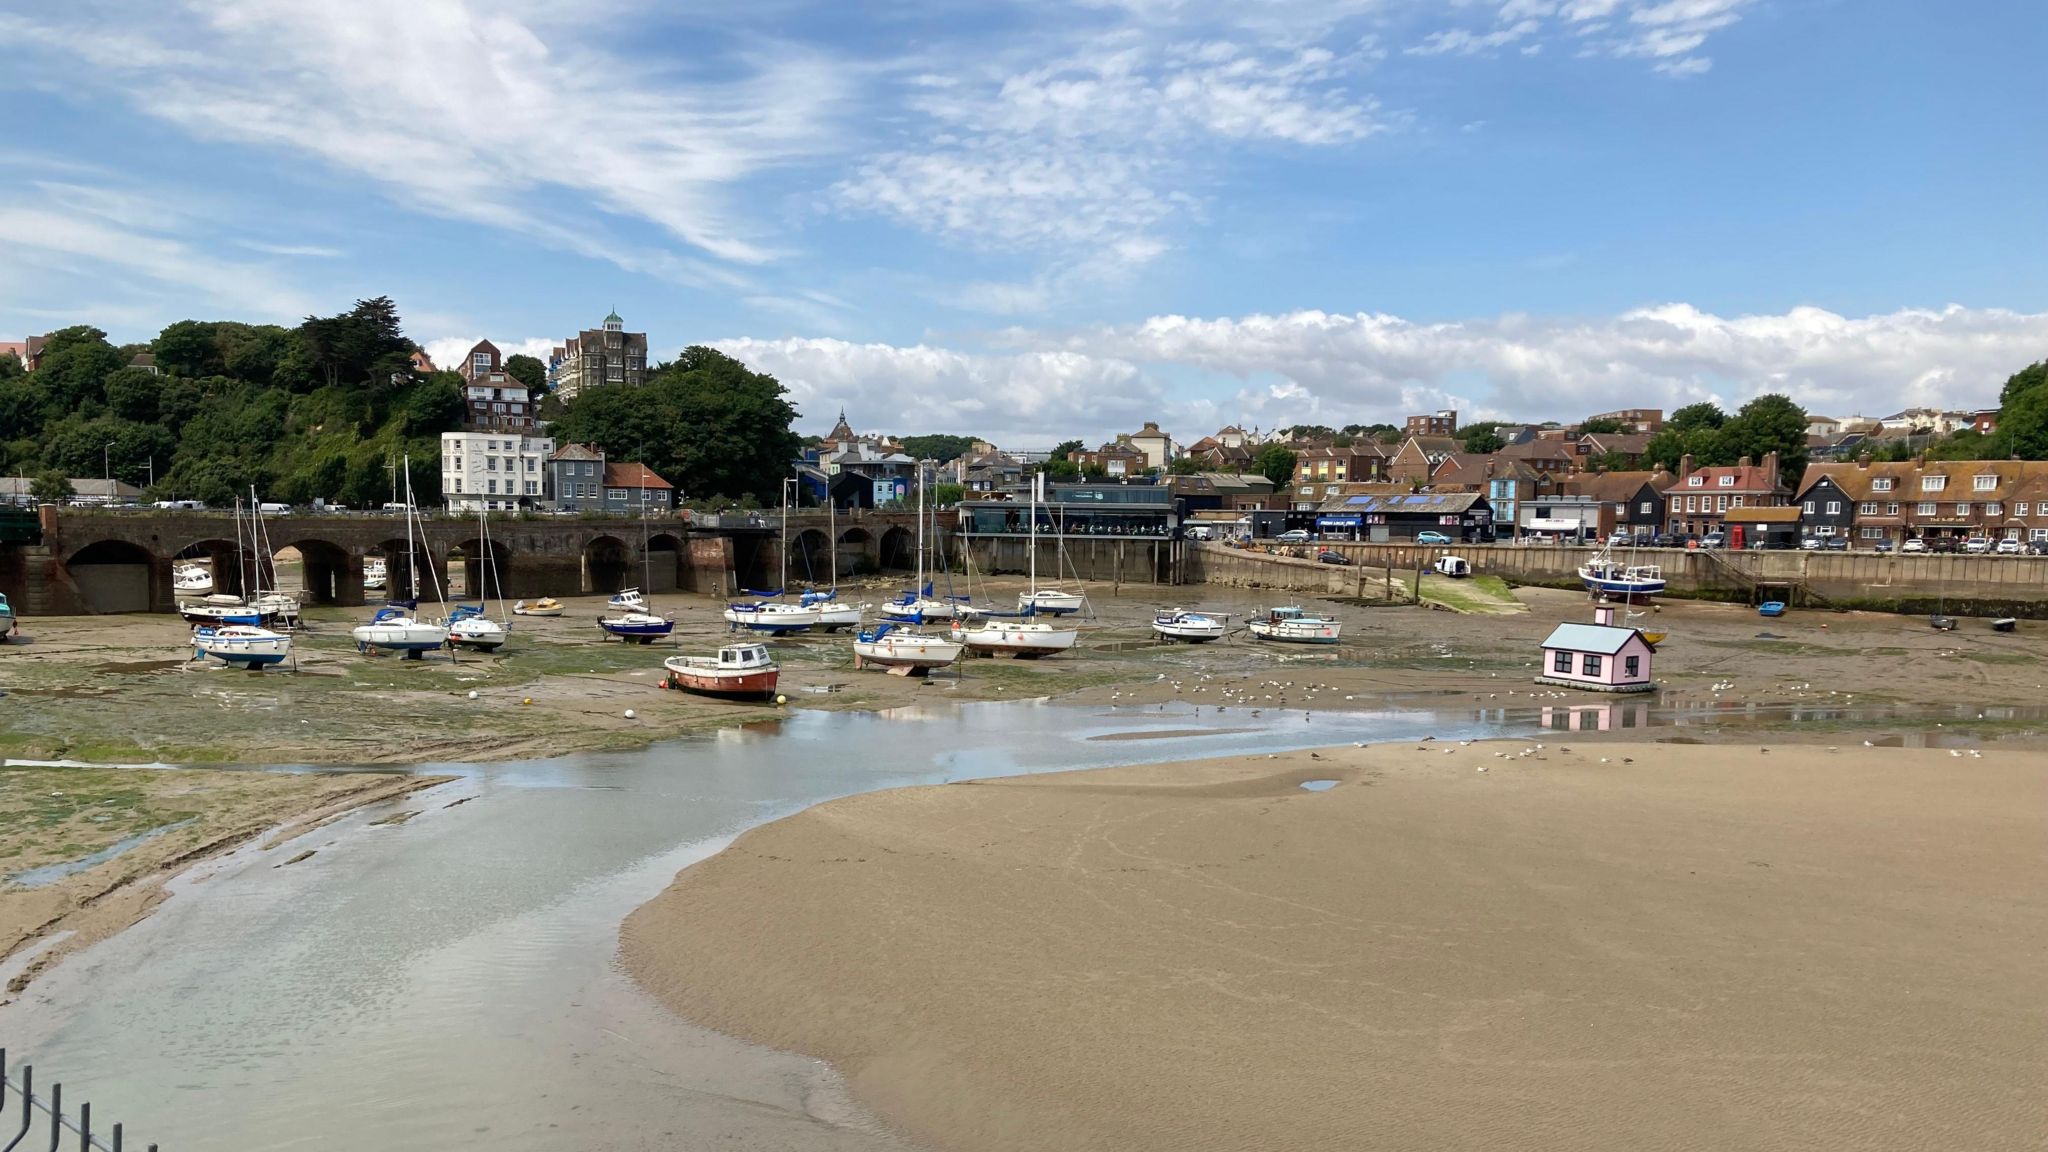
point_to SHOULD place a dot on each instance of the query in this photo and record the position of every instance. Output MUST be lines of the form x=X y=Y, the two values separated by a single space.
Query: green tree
x=1061 y=468
x=947 y=495
x=2023 y=413
x=1704 y=414
x=365 y=346
x=132 y=394
x=10 y=366
x=435 y=405
x=705 y=422
x=1065 y=449
x=1276 y=463
x=528 y=370
x=1694 y=430
x=1183 y=466
x=1310 y=433
x=1602 y=425
x=51 y=487
x=71 y=376
x=937 y=446
x=1769 y=423
x=1481 y=438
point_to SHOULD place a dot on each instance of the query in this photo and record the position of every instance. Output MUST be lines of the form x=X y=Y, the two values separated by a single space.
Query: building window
x=1984 y=483
x=458 y=485
x=1872 y=533
x=1994 y=509
x=1695 y=481
x=493 y=487
x=1881 y=484
x=1933 y=483
x=1720 y=504
x=1891 y=509
x=1631 y=666
x=2020 y=509
x=1962 y=509
x=490 y=463
x=1738 y=500
x=481 y=362
x=1867 y=508
x=1643 y=509
x=1809 y=508
x=1728 y=481
x=1561 y=662
x=1834 y=507
x=1926 y=508
x=532 y=488
x=1589 y=665
x=2037 y=533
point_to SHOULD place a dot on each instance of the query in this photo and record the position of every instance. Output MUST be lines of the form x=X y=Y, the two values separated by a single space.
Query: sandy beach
x=1592 y=946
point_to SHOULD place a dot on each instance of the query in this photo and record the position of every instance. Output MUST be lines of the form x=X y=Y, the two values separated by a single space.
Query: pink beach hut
x=1597 y=657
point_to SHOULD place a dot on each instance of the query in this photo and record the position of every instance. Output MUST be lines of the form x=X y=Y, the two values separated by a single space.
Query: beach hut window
x=1631 y=666
x=1590 y=666
x=1562 y=662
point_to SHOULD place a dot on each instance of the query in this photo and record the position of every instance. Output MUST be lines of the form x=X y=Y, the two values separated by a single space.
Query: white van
x=270 y=509
x=1201 y=532
x=181 y=505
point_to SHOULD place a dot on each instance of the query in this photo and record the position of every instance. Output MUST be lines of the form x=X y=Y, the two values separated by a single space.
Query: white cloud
x=316 y=251
x=447 y=351
x=462 y=111
x=1037 y=386
x=1690 y=66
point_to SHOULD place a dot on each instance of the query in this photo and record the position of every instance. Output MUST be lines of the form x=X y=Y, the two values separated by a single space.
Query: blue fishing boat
x=637 y=627
x=1606 y=575
x=241 y=644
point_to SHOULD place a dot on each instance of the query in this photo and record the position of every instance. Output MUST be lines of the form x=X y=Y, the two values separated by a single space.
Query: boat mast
x=920 y=528
x=255 y=555
x=832 y=530
x=1037 y=483
x=782 y=550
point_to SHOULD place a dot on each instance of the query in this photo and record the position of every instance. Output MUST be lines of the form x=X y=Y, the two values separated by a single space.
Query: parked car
x=1621 y=537
x=1943 y=544
x=1882 y=546
x=2037 y=547
x=2010 y=546
x=1713 y=540
x=1977 y=544
x=1294 y=536
x=1431 y=538
x=1328 y=556
x=1914 y=544
x=1810 y=544
x=1836 y=544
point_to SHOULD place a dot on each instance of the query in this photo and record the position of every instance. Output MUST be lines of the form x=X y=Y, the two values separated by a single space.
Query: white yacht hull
x=921 y=609
x=1050 y=602
x=834 y=617
x=1024 y=641
x=478 y=633
x=908 y=650
x=400 y=635
x=249 y=647
x=1194 y=629
x=1297 y=631
x=771 y=618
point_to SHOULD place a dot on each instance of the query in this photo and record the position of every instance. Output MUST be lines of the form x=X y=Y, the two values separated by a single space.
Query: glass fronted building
x=1134 y=511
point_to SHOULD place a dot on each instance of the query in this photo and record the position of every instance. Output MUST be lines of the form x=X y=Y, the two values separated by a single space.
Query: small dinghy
x=1941 y=623
x=1190 y=627
x=636 y=627
x=1771 y=608
x=2005 y=624
x=545 y=606
x=242 y=644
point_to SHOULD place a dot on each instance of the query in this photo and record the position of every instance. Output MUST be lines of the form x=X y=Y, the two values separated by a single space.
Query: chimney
x=1863 y=460
x=1770 y=465
x=1685 y=466
x=1742 y=463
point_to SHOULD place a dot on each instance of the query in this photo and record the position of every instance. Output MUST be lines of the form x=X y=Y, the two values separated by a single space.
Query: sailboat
x=1026 y=639
x=637 y=624
x=468 y=625
x=833 y=615
x=221 y=607
x=899 y=649
x=245 y=643
x=1192 y=627
x=394 y=628
x=770 y=615
x=917 y=604
x=1046 y=601
x=274 y=607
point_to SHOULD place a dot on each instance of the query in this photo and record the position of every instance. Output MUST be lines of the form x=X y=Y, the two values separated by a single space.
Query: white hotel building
x=500 y=471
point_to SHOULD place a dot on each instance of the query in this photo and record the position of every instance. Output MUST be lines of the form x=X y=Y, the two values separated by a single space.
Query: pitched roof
x=1604 y=639
x=1626 y=443
x=1461 y=468
x=1540 y=450
x=1748 y=478
x=1426 y=503
x=1615 y=487
x=632 y=476
x=576 y=452
x=1436 y=445
x=18 y=347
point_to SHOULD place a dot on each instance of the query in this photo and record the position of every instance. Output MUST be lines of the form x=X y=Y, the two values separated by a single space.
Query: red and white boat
x=738 y=670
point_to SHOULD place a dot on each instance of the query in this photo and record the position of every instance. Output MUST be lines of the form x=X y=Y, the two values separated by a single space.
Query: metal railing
x=60 y=1125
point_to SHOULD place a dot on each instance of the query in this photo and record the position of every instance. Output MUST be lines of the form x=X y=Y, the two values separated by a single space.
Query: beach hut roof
x=1604 y=639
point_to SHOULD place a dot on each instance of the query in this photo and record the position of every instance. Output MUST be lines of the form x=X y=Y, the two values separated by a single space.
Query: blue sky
x=1045 y=219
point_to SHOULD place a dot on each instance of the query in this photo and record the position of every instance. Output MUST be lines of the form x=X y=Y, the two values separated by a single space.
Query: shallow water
x=452 y=983
x=51 y=873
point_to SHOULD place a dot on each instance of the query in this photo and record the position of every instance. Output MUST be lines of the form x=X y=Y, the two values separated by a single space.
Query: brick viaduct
x=104 y=560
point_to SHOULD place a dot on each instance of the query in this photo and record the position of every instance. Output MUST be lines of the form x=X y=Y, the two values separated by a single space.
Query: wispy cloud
x=1664 y=31
x=462 y=111
x=310 y=250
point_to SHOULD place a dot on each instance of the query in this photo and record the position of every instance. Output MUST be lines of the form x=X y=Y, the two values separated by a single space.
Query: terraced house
x=1930 y=500
x=1699 y=499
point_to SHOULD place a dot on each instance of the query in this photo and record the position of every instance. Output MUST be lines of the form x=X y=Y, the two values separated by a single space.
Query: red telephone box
x=1735 y=537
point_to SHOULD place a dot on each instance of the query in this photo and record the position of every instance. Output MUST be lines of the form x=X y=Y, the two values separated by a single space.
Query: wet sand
x=1607 y=946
